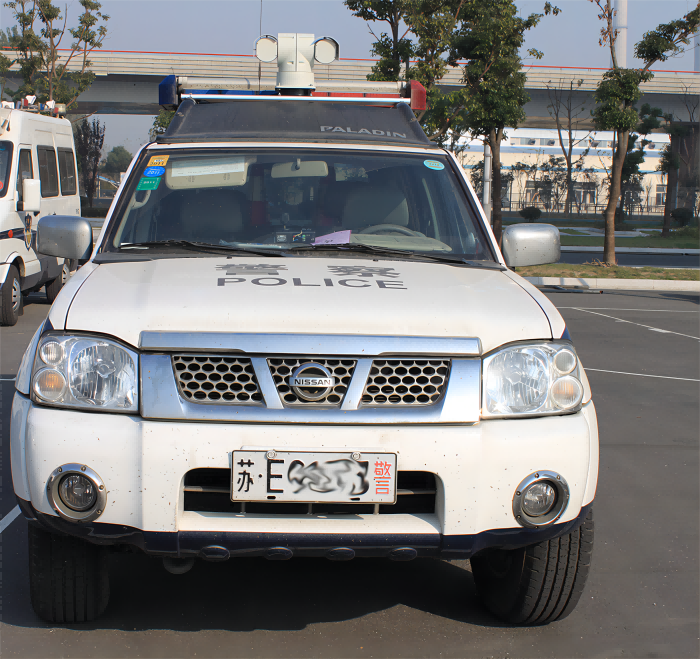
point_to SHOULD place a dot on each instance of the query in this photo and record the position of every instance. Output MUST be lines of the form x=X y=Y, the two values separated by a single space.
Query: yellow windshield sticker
x=158 y=161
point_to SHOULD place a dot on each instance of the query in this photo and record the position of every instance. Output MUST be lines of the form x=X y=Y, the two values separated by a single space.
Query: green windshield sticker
x=433 y=164
x=148 y=184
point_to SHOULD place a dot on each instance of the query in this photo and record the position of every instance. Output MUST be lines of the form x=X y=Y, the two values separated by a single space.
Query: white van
x=37 y=176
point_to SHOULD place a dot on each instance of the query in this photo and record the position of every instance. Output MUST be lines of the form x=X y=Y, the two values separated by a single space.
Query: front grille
x=405 y=382
x=217 y=379
x=209 y=490
x=340 y=369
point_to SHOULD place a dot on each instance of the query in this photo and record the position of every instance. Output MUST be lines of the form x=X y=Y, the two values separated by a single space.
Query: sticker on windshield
x=148 y=184
x=158 y=161
x=154 y=171
x=207 y=167
x=433 y=164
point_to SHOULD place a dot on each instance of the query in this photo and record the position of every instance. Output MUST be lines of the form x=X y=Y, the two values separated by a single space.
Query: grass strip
x=673 y=242
x=592 y=271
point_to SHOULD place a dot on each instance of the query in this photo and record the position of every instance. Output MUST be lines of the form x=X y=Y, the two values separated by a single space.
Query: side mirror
x=65 y=236
x=31 y=195
x=531 y=244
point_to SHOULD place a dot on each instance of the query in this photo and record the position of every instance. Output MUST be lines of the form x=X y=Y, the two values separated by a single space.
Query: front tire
x=53 y=287
x=68 y=577
x=538 y=584
x=11 y=301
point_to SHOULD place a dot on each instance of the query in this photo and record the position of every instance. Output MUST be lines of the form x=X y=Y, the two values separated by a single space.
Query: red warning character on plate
x=382 y=477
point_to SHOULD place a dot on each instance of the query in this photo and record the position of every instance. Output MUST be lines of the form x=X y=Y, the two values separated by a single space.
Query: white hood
x=306 y=295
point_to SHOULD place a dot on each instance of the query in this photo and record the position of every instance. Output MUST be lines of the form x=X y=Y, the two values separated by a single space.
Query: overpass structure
x=127 y=82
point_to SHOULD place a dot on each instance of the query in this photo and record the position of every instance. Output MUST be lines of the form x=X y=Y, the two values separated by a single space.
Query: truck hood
x=306 y=295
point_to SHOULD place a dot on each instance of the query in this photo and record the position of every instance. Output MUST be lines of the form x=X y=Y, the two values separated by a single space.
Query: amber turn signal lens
x=49 y=384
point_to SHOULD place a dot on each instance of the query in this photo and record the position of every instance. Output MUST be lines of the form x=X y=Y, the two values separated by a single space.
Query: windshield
x=286 y=199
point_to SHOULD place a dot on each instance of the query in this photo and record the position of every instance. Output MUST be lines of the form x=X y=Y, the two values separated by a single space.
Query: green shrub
x=686 y=232
x=683 y=216
x=530 y=213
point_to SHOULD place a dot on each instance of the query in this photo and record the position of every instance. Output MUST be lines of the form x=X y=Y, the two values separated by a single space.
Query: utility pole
x=620 y=25
x=486 y=200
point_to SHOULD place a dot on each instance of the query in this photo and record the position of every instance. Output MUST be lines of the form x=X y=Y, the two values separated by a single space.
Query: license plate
x=312 y=477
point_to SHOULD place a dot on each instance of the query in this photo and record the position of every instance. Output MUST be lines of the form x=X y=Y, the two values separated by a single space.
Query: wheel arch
x=16 y=260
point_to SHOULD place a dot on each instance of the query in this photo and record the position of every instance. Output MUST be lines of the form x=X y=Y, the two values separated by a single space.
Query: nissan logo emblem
x=312 y=382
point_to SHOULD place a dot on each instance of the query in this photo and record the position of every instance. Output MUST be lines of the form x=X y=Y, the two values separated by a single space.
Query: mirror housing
x=531 y=244
x=65 y=236
x=31 y=196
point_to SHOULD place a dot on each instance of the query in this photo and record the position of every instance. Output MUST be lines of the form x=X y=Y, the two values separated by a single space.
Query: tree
x=568 y=115
x=489 y=37
x=619 y=90
x=117 y=161
x=45 y=73
x=160 y=123
x=89 y=138
x=392 y=49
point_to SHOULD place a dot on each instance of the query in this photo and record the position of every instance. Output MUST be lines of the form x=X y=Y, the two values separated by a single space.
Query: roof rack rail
x=173 y=89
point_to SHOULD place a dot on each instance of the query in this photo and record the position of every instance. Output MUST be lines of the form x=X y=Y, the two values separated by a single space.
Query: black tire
x=537 y=584
x=11 y=302
x=54 y=286
x=68 y=577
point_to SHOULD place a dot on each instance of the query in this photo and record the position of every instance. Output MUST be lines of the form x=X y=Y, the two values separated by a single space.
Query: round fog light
x=77 y=492
x=538 y=499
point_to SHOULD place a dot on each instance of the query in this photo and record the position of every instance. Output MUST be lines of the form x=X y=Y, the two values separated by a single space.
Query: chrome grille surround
x=281 y=368
x=411 y=382
x=217 y=379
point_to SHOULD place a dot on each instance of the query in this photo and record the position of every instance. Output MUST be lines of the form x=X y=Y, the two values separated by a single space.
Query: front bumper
x=143 y=464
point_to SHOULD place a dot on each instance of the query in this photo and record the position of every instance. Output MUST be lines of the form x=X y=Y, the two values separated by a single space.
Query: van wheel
x=537 y=584
x=68 y=577
x=11 y=298
x=54 y=286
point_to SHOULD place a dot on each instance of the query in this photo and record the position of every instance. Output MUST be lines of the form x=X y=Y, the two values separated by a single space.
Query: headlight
x=531 y=379
x=85 y=372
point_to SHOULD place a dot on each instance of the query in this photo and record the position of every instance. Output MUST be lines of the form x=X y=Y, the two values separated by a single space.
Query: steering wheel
x=396 y=228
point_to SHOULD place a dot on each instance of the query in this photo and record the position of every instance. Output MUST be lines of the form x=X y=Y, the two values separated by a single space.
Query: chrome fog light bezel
x=561 y=501
x=63 y=510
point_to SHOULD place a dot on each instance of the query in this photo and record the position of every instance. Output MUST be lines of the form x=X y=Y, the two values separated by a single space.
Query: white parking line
x=641 y=375
x=616 y=309
x=649 y=327
x=9 y=518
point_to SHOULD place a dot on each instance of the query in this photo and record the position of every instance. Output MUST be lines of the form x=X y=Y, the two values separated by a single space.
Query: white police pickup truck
x=297 y=336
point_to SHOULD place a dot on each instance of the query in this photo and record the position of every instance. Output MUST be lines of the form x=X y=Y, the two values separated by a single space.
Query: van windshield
x=5 y=166
x=283 y=199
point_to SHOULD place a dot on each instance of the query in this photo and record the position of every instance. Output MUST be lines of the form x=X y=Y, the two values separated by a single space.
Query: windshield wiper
x=440 y=258
x=201 y=247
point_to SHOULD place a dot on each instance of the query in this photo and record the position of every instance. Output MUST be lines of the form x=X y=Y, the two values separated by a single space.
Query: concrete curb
x=635 y=250
x=619 y=284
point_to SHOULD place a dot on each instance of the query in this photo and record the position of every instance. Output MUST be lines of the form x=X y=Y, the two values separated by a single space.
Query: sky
x=231 y=26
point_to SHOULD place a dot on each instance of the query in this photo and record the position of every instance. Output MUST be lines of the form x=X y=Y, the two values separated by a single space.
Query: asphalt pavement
x=642 y=354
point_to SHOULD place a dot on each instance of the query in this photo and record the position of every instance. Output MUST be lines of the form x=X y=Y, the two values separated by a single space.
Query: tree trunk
x=496 y=214
x=569 y=188
x=670 y=204
x=619 y=154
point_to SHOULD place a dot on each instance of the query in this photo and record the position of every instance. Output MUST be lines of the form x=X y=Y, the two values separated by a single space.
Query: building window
x=660 y=195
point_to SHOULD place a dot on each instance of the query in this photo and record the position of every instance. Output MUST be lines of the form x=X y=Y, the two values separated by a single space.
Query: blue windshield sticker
x=154 y=171
x=433 y=164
